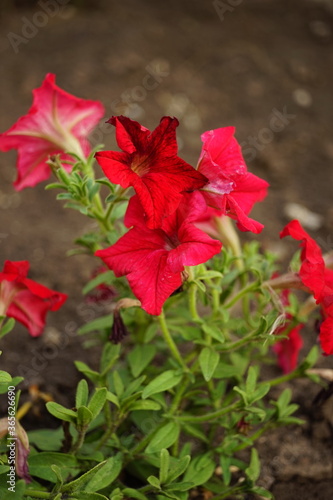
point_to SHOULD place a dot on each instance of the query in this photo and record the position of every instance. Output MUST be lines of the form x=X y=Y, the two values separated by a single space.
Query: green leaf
x=103 y=323
x=194 y=431
x=130 y=493
x=262 y=492
x=55 y=185
x=113 y=398
x=97 y=401
x=163 y=382
x=253 y=470
x=82 y=495
x=57 y=472
x=105 y=476
x=61 y=412
x=109 y=357
x=146 y=404
x=310 y=359
x=164 y=437
x=214 y=332
x=225 y=463
x=82 y=392
x=19 y=493
x=200 y=470
x=251 y=379
x=184 y=486
x=7 y=327
x=164 y=465
x=87 y=371
x=140 y=357
x=106 y=277
x=118 y=384
x=208 y=360
x=133 y=387
x=81 y=482
x=153 y=480
x=178 y=468
x=47 y=439
x=84 y=417
x=40 y=465
x=5 y=378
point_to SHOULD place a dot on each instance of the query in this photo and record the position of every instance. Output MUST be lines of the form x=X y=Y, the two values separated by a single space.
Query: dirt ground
x=214 y=64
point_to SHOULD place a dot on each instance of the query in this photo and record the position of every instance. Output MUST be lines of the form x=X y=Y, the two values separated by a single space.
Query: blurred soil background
x=211 y=64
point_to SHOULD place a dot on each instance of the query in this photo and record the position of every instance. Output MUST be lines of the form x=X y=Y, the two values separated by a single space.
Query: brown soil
x=263 y=58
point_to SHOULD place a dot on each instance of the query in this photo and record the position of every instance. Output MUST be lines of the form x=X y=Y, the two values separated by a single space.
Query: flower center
x=140 y=165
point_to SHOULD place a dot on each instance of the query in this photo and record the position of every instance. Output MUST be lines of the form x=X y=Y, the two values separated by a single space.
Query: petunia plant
x=199 y=327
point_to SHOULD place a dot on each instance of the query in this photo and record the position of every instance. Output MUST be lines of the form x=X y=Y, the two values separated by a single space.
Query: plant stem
x=169 y=340
x=192 y=297
x=79 y=442
x=240 y=294
x=209 y=416
x=37 y=494
x=283 y=378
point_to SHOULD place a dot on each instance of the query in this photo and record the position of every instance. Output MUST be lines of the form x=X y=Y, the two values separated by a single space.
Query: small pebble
x=308 y=219
x=302 y=97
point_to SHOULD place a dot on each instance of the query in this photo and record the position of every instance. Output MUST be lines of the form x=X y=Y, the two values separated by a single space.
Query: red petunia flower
x=57 y=122
x=25 y=300
x=153 y=259
x=231 y=188
x=149 y=163
x=316 y=278
x=288 y=349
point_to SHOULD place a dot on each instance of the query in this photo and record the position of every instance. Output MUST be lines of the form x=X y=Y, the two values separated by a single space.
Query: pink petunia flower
x=316 y=278
x=25 y=300
x=149 y=163
x=230 y=188
x=153 y=259
x=56 y=123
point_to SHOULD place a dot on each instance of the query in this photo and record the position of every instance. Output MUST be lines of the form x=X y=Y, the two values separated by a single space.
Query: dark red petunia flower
x=57 y=122
x=316 y=278
x=25 y=300
x=149 y=163
x=230 y=188
x=153 y=259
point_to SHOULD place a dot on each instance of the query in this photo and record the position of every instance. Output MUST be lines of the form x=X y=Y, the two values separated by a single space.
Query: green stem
x=169 y=340
x=192 y=297
x=37 y=494
x=239 y=343
x=240 y=294
x=283 y=378
x=179 y=394
x=209 y=416
x=79 y=442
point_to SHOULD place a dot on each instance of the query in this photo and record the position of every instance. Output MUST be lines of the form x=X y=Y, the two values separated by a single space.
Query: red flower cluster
x=171 y=196
x=316 y=278
x=25 y=300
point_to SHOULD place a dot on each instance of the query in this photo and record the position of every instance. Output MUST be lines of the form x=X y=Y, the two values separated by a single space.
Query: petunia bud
x=118 y=330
